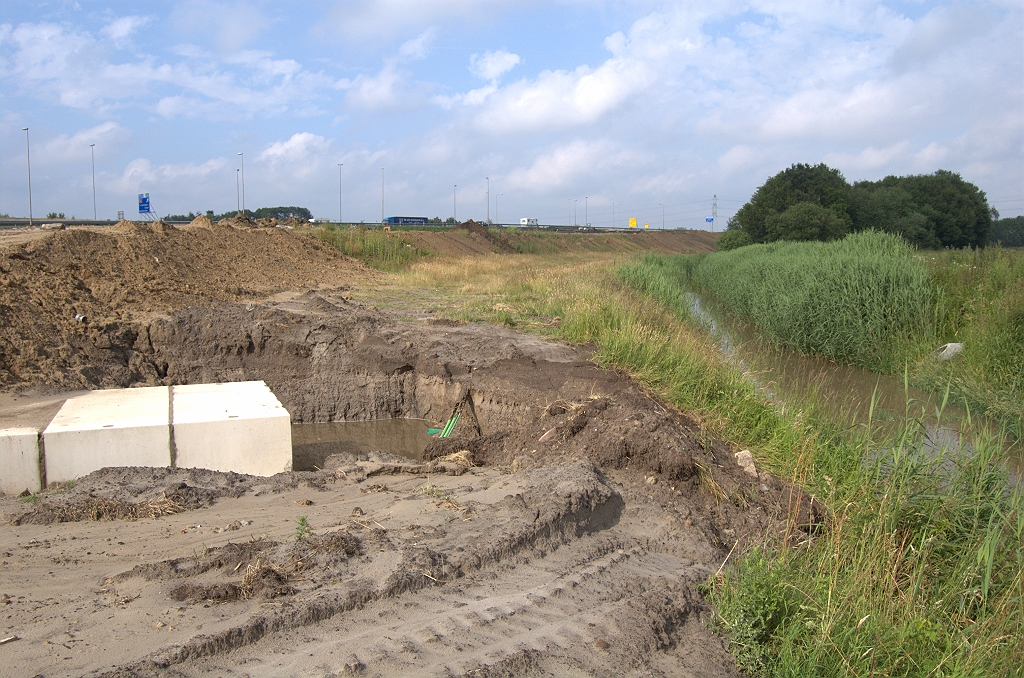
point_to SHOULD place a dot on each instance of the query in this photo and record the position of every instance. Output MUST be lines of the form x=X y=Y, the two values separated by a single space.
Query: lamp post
x=92 y=150
x=455 y=202
x=382 y=196
x=575 y=221
x=613 y=216
x=662 y=215
x=28 y=164
x=240 y=155
x=341 y=191
x=488 y=199
x=586 y=211
x=496 y=208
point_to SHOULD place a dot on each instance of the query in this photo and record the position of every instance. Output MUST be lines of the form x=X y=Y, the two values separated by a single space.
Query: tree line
x=816 y=202
x=279 y=213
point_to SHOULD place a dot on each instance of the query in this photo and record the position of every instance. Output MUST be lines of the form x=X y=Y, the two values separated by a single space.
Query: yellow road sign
x=632 y=222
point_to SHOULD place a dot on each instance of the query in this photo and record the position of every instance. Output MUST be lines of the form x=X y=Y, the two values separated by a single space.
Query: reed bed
x=865 y=300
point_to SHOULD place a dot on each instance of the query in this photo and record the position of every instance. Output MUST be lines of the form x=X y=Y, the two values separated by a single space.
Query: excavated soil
x=563 y=529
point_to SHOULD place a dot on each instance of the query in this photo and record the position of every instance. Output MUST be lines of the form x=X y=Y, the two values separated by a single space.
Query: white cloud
x=569 y=162
x=564 y=98
x=229 y=27
x=66 y=149
x=870 y=159
x=375 y=92
x=492 y=65
x=140 y=173
x=50 y=60
x=367 y=20
x=418 y=47
x=119 y=31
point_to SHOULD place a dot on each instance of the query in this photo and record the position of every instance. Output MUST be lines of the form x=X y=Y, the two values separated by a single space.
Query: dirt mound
x=202 y=221
x=65 y=298
x=499 y=243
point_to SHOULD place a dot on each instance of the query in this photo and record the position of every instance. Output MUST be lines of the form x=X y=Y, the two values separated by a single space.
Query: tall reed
x=865 y=300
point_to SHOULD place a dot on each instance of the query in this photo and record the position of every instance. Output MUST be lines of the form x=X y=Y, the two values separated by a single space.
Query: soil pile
x=65 y=297
x=499 y=244
x=202 y=221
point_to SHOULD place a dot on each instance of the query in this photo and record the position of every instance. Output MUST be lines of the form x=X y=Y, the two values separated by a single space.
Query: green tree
x=818 y=184
x=1008 y=232
x=891 y=209
x=807 y=221
x=929 y=210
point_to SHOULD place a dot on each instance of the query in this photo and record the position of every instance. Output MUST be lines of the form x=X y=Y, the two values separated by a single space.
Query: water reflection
x=313 y=443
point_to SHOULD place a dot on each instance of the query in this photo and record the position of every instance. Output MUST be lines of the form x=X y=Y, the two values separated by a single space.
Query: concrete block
x=19 y=461
x=120 y=427
x=239 y=427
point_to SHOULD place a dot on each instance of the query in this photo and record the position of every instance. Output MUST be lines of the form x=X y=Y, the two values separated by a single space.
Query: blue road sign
x=143 y=203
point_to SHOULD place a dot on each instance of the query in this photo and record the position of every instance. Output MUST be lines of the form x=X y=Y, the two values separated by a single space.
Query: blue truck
x=405 y=221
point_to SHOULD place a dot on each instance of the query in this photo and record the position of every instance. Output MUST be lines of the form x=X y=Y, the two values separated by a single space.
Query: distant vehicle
x=319 y=221
x=406 y=221
x=527 y=221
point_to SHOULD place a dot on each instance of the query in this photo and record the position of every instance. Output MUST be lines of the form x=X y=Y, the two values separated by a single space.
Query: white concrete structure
x=120 y=427
x=239 y=427
x=19 y=461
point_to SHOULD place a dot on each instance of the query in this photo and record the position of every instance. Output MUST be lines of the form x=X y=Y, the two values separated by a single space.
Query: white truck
x=527 y=221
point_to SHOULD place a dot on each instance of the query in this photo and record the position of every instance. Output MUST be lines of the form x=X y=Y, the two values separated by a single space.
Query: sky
x=568 y=111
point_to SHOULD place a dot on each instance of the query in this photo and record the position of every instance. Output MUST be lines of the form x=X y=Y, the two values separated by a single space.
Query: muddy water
x=313 y=443
x=845 y=391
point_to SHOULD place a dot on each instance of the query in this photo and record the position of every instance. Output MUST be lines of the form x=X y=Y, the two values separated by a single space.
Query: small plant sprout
x=302 y=529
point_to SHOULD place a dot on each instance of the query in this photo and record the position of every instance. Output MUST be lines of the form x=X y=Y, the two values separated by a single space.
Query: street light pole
x=92 y=150
x=28 y=164
x=341 y=191
x=586 y=211
x=240 y=155
x=575 y=221
x=455 y=202
x=488 y=199
x=382 y=196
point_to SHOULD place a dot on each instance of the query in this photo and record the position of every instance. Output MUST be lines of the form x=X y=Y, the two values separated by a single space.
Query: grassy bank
x=920 y=568
x=377 y=248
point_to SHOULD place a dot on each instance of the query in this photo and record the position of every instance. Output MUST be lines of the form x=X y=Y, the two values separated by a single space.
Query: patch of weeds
x=302 y=529
x=30 y=499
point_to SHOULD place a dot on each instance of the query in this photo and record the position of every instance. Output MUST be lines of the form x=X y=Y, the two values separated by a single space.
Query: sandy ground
x=564 y=529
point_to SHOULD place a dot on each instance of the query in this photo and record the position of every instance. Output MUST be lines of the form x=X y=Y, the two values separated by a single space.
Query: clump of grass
x=919 y=573
x=379 y=249
x=865 y=300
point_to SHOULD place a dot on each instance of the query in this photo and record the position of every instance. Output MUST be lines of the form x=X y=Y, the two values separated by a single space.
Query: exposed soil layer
x=65 y=296
x=563 y=529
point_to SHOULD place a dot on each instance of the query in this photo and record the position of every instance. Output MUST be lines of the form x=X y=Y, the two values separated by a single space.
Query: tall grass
x=919 y=572
x=865 y=300
x=982 y=295
x=379 y=249
x=919 y=569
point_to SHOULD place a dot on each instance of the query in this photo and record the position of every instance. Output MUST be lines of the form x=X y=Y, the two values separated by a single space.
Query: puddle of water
x=313 y=443
x=843 y=390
